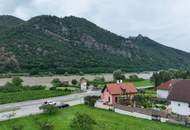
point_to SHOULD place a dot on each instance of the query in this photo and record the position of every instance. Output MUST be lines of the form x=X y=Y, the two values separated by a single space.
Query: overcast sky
x=166 y=21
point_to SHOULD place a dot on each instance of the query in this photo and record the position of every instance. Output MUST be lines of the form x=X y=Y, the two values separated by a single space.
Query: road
x=27 y=108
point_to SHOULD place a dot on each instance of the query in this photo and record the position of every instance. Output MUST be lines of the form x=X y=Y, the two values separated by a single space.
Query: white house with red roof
x=164 y=89
x=111 y=93
x=179 y=98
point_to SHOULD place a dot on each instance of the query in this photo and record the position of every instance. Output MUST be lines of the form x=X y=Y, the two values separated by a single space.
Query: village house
x=179 y=98
x=83 y=84
x=111 y=92
x=164 y=89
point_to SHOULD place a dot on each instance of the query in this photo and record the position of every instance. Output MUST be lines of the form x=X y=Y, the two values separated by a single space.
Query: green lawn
x=150 y=92
x=106 y=120
x=10 y=97
x=70 y=88
x=143 y=83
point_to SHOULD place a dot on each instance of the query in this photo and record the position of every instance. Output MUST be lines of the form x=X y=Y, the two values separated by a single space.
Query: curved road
x=27 y=108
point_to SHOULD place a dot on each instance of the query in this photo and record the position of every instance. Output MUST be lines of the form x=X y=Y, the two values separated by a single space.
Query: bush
x=90 y=100
x=74 y=81
x=46 y=126
x=124 y=100
x=56 y=82
x=10 y=87
x=118 y=75
x=53 y=88
x=49 y=109
x=67 y=90
x=37 y=87
x=135 y=78
x=17 y=81
x=82 y=122
x=34 y=72
x=66 y=74
x=143 y=100
x=13 y=86
x=20 y=127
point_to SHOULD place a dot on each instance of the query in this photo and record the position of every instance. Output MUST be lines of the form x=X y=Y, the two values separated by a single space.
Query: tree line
x=165 y=75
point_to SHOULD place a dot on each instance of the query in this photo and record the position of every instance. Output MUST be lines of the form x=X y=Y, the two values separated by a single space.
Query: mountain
x=71 y=44
x=7 y=21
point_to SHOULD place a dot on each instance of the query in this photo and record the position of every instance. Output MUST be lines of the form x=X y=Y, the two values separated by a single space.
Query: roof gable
x=119 y=88
x=167 y=85
x=180 y=91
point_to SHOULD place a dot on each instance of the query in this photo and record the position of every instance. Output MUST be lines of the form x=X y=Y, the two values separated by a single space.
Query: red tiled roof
x=119 y=88
x=180 y=91
x=168 y=85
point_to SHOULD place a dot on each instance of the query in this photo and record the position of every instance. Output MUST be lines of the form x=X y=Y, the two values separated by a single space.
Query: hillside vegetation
x=71 y=44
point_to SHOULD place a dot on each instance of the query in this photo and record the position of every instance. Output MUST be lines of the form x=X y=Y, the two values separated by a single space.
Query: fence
x=152 y=114
x=141 y=113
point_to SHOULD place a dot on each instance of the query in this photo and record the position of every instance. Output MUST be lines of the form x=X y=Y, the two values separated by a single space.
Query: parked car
x=57 y=104
x=63 y=106
x=50 y=103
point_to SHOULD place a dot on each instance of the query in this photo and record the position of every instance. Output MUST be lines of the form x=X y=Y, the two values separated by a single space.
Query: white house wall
x=138 y=115
x=134 y=114
x=180 y=108
x=162 y=94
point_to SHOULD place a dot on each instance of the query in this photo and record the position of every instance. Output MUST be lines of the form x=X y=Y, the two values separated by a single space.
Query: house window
x=116 y=99
x=108 y=99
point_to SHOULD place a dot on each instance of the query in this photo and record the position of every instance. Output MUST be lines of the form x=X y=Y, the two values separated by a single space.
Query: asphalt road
x=32 y=107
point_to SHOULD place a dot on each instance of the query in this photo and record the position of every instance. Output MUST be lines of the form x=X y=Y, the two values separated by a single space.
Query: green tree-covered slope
x=72 y=44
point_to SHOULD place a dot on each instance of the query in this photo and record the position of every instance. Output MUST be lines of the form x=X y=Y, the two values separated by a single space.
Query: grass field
x=29 y=95
x=106 y=120
x=143 y=83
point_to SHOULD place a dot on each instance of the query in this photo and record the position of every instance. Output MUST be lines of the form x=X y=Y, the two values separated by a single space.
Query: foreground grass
x=106 y=120
x=11 y=97
x=143 y=83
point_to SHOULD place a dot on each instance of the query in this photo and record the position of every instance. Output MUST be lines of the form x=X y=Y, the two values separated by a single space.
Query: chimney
x=118 y=81
x=121 y=81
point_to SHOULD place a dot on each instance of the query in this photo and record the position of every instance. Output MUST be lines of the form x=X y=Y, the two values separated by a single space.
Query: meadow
x=106 y=120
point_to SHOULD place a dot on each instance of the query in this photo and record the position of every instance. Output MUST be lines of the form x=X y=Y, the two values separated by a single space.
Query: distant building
x=111 y=93
x=164 y=89
x=83 y=84
x=179 y=98
x=64 y=83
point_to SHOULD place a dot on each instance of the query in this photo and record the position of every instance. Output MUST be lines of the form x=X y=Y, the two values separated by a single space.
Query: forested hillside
x=74 y=45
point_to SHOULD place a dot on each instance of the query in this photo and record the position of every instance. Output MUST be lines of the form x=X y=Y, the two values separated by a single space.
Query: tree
x=74 y=81
x=135 y=78
x=56 y=82
x=165 y=75
x=17 y=81
x=82 y=122
x=46 y=126
x=19 y=127
x=49 y=109
x=118 y=75
x=90 y=100
x=34 y=71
